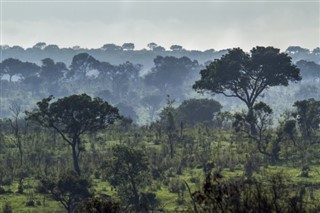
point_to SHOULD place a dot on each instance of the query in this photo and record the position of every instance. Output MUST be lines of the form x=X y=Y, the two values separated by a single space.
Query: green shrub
x=7 y=208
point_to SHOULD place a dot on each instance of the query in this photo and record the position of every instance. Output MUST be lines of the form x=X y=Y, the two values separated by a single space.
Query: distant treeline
x=117 y=54
x=136 y=81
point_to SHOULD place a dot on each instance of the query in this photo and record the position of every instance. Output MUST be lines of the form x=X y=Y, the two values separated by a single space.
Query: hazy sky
x=192 y=24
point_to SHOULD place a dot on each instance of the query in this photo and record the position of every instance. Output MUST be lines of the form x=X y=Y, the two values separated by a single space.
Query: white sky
x=192 y=24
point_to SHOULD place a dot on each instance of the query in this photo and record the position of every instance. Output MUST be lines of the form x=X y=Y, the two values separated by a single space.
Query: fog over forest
x=159 y=106
x=137 y=81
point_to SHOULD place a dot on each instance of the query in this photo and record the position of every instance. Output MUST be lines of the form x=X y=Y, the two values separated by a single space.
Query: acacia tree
x=246 y=76
x=72 y=117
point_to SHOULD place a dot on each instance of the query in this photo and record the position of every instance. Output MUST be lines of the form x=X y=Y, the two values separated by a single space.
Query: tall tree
x=124 y=75
x=308 y=116
x=81 y=64
x=15 y=67
x=170 y=72
x=246 y=76
x=51 y=71
x=72 y=117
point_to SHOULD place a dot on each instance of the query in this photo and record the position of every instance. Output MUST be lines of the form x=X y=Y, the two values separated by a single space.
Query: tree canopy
x=198 y=110
x=170 y=72
x=246 y=76
x=73 y=116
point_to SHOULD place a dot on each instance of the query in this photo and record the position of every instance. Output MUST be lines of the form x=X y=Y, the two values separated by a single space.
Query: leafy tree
x=128 y=46
x=69 y=189
x=81 y=64
x=39 y=45
x=262 y=121
x=14 y=67
x=247 y=76
x=52 y=47
x=176 y=47
x=159 y=49
x=198 y=110
x=51 y=71
x=308 y=116
x=72 y=117
x=152 y=46
x=106 y=70
x=111 y=47
x=128 y=172
x=170 y=72
x=124 y=75
x=297 y=50
x=309 y=69
x=168 y=121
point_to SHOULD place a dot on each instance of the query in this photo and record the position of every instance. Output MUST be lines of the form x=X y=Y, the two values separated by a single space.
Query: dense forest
x=116 y=129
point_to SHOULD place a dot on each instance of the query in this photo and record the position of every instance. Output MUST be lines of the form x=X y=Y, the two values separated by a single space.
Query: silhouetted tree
x=72 y=117
x=309 y=69
x=81 y=64
x=15 y=67
x=111 y=47
x=308 y=116
x=247 y=76
x=69 y=189
x=176 y=47
x=198 y=110
x=152 y=45
x=170 y=72
x=128 y=46
x=51 y=71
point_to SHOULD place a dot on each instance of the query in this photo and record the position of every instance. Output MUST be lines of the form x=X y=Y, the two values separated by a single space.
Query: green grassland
x=218 y=146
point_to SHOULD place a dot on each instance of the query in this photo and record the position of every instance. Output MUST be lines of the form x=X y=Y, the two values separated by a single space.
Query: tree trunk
x=251 y=120
x=136 y=195
x=171 y=146
x=20 y=153
x=75 y=159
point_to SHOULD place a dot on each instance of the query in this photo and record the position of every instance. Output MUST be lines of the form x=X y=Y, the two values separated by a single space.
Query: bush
x=30 y=203
x=7 y=208
x=270 y=193
x=20 y=188
x=6 y=182
x=2 y=190
x=176 y=185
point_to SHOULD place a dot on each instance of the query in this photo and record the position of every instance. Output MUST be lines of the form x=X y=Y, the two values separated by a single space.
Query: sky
x=196 y=24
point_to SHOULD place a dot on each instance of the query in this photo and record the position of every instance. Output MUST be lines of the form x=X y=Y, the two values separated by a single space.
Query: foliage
x=308 y=116
x=170 y=72
x=198 y=110
x=69 y=189
x=243 y=76
x=128 y=172
x=98 y=205
x=73 y=116
x=271 y=193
